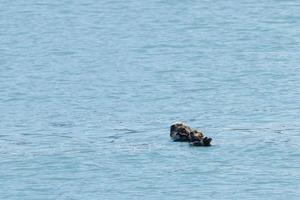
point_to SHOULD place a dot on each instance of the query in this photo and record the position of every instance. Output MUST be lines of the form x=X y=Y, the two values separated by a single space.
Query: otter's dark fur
x=180 y=132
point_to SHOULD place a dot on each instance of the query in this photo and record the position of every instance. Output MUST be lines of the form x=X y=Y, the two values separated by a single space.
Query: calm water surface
x=89 y=88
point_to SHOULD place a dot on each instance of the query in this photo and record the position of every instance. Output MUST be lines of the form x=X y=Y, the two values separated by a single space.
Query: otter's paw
x=207 y=141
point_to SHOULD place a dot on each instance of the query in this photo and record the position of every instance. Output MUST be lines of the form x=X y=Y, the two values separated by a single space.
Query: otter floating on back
x=180 y=132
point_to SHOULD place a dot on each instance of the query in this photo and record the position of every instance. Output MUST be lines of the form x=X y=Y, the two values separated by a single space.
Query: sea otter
x=180 y=132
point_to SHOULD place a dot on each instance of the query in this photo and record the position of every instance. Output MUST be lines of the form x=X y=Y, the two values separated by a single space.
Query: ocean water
x=88 y=90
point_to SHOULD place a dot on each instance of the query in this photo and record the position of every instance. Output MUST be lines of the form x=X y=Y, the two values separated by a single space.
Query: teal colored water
x=88 y=90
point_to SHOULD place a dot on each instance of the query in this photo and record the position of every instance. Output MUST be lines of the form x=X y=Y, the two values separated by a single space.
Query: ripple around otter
x=88 y=90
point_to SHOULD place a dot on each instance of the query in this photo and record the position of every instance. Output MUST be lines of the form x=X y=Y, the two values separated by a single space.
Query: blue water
x=88 y=90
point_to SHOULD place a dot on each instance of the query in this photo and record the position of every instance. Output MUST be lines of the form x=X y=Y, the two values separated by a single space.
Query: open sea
x=88 y=90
